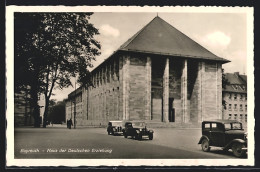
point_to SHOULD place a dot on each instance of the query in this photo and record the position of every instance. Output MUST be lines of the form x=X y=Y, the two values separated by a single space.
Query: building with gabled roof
x=235 y=97
x=158 y=75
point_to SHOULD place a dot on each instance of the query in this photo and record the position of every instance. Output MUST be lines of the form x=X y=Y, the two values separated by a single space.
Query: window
x=227 y=126
x=236 y=126
x=241 y=97
x=241 y=107
x=235 y=96
x=245 y=97
x=235 y=117
x=207 y=125
x=229 y=106
x=245 y=117
x=230 y=96
x=235 y=87
x=241 y=117
x=230 y=116
x=235 y=106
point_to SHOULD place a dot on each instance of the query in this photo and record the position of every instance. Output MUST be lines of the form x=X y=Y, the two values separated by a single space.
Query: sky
x=224 y=34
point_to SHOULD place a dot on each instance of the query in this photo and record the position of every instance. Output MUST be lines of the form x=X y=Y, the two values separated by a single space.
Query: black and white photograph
x=129 y=86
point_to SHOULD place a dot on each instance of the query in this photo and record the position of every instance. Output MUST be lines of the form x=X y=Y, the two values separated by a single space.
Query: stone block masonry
x=127 y=88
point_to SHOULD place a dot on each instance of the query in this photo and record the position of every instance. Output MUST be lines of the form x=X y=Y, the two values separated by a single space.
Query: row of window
x=235 y=97
x=239 y=87
x=107 y=92
x=235 y=107
x=235 y=117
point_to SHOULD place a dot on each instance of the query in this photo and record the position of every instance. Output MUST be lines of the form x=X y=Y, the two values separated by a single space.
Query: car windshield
x=233 y=126
x=116 y=123
x=138 y=124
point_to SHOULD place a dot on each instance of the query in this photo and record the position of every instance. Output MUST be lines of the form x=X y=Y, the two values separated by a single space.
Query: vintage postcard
x=129 y=86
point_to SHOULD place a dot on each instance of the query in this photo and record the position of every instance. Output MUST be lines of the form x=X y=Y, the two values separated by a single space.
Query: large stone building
x=235 y=96
x=158 y=75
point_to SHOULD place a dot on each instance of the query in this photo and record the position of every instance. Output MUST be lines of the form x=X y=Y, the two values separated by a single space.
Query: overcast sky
x=224 y=34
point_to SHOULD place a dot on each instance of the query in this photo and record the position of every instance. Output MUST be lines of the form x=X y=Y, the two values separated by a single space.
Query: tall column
x=148 y=89
x=125 y=78
x=199 y=77
x=202 y=90
x=166 y=91
x=185 y=117
x=219 y=90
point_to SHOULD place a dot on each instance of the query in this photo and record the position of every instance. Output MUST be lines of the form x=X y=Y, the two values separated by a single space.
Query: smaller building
x=235 y=96
x=74 y=106
x=22 y=109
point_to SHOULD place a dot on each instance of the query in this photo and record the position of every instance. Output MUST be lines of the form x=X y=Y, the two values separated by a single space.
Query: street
x=94 y=143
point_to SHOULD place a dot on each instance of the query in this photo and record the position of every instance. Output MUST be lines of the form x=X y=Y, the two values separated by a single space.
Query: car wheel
x=237 y=149
x=139 y=136
x=150 y=136
x=136 y=136
x=125 y=135
x=205 y=145
x=113 y=133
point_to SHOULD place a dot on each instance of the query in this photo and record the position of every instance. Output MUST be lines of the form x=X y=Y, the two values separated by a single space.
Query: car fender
x=203 y=137
x=151 y=131
x=229 y=145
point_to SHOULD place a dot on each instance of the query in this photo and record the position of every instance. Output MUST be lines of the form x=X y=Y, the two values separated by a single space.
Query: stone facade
x=126 y=88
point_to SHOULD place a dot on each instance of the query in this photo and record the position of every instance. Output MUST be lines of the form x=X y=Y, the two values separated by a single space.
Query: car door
x=217 y=134
x=128 y=128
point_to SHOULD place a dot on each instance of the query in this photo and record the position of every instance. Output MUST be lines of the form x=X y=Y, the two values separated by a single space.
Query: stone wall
x=101 y=102
x=138 y=100
x=138 y=87
x=212 y=91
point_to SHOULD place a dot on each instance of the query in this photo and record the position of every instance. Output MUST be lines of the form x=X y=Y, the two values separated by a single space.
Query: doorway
x=171 y=110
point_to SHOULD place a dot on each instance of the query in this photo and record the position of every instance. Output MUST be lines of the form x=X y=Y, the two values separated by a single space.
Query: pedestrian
x=70 y=124
x=67 y=123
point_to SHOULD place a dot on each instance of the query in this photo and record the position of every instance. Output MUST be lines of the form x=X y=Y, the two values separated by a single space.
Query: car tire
x=237 y=149
x=140 y=136
x=205 y=145
x=150 y=136
x=136 y=136
x=125 y=135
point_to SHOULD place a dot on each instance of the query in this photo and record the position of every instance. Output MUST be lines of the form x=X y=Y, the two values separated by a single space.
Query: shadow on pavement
x=222 y=152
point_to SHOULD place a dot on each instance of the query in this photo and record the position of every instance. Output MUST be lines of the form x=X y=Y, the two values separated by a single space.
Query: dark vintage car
x=227 y=134
x=114 y=128
x=137 y=130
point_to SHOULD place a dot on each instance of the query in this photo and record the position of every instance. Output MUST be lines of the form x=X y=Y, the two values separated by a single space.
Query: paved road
x=94 y=143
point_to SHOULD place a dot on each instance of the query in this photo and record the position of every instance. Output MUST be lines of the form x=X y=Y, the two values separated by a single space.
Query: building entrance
x=171 y=110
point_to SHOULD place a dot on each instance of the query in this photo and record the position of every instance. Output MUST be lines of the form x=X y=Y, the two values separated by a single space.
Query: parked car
x=138 y=130
x=227 y=134
x=114 y=128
